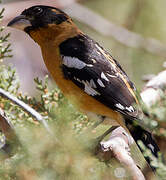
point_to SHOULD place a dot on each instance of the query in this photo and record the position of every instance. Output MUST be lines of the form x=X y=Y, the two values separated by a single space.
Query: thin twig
x=26 y=107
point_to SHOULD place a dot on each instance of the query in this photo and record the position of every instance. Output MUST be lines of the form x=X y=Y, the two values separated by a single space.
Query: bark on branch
x=119 y=143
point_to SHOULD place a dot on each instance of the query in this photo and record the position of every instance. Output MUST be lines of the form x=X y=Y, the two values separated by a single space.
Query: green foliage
x=156 y=116
x=157 y=163
x=4 y=45
x=8 y=79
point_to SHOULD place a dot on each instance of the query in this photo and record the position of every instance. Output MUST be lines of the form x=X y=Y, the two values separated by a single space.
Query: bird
x=85 y=72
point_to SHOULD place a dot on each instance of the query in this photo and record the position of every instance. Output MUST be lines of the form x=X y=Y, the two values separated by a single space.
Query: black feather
x=115 y=90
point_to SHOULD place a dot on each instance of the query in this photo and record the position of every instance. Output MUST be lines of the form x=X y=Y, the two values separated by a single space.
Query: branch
x=119 y=143
x=26 y=108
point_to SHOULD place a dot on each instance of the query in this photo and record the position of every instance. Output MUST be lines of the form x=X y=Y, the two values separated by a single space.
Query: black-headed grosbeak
x=87 y=74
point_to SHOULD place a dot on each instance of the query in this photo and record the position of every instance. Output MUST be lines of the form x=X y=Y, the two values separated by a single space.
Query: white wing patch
x=120 y=106
x=151 y=147
x=73 y=62
x=89 y=88
x=92 y=83
x=90 y=65
x=103 y=76
x=113 y=76
x=130 y=109
x=93 y=60
x=100 y=83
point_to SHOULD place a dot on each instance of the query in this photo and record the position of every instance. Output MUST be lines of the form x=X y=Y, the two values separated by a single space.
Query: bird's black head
x=38 y=17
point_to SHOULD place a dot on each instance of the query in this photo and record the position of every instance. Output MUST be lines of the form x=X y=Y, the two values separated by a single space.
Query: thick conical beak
x=20 y=22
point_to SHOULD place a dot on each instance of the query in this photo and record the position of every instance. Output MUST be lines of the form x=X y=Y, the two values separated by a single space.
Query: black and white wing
x=95 y=71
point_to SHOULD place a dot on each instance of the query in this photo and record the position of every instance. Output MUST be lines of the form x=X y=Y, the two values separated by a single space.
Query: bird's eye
x=37 y=10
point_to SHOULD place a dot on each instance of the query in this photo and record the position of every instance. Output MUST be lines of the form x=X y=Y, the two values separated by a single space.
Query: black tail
x=138 y=133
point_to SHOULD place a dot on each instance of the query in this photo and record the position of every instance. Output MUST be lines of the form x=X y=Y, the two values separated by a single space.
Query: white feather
x=104 y=77
x=130 y=109
x=73 y=62
x=151 y=147
x=100 y=83
x=111 y=75
x=92 y=83
x=120 y=106
x=89 y=90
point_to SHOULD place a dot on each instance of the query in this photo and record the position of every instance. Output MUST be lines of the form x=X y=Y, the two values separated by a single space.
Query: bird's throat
x=54 y=34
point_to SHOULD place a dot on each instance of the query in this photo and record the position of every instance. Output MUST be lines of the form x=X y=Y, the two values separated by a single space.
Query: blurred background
x=133 y=31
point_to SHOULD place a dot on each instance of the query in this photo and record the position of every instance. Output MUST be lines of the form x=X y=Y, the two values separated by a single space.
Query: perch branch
x=118 y=144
